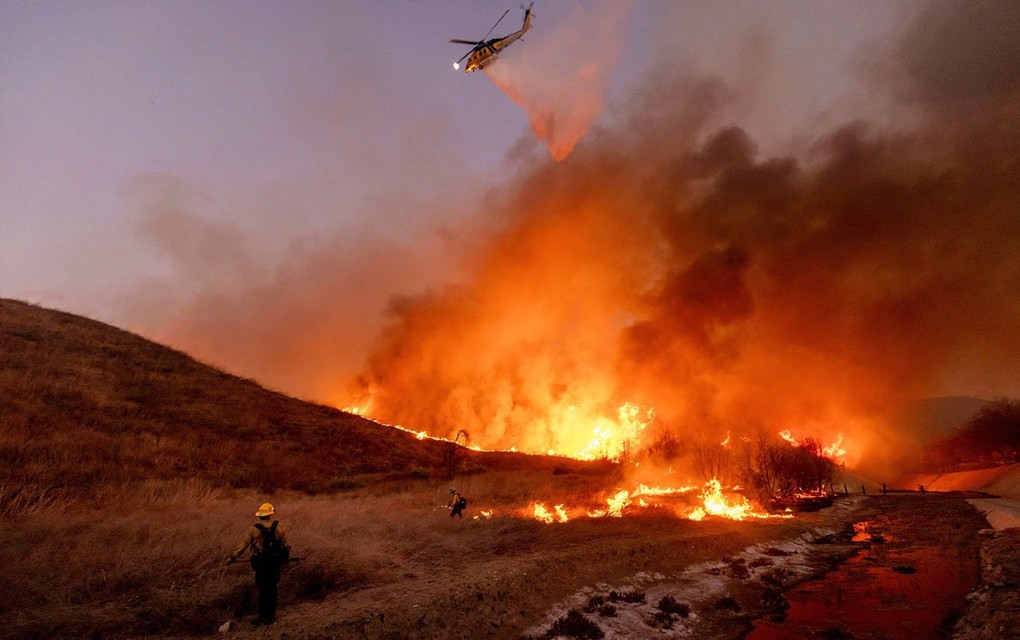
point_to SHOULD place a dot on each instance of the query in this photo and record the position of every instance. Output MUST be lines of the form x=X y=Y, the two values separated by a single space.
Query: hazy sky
x=159 y=159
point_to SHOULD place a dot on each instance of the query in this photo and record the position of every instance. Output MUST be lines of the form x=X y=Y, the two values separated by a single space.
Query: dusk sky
x=257 y=182
x=290 y=117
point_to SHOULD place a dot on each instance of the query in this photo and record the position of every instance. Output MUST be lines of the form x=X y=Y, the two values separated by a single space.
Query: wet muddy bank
x=994 y=609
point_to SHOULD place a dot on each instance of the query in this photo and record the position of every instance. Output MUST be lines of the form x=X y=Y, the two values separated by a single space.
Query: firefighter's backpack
x=274 y=552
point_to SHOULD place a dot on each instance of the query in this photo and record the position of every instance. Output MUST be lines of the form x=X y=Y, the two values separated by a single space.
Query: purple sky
x=285 y=125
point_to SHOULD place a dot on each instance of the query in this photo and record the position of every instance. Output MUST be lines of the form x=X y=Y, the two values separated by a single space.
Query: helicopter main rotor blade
x=464 y=56
x=465 y=41
x=497 y=23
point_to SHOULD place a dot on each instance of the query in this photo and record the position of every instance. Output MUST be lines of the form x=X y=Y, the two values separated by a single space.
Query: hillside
x=85 y=405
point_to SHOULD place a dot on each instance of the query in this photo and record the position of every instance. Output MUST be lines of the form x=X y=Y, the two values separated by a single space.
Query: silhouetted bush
x=992 y=436
x=575 y=625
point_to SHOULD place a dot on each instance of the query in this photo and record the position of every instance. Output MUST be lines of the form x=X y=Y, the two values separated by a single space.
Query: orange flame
x=735 y=508
x=832 y=451
x=644 y=490
x=542 y=513
x=612 y=439
x=715 y=503
x=835 y=449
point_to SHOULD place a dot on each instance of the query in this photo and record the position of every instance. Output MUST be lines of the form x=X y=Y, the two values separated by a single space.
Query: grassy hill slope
x=85 y=405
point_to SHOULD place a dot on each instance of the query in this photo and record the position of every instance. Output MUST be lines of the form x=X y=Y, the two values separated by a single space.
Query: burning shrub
x=712 y=461
x=781 y=469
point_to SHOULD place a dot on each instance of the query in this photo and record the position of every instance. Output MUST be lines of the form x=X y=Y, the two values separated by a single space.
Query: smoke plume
x=669 y=264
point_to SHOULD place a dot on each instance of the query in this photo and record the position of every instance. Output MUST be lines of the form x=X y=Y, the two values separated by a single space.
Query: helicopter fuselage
x=481 y=58
x=486 y=52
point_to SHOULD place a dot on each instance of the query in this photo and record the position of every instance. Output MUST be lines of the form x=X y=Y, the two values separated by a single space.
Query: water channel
x=891 y=589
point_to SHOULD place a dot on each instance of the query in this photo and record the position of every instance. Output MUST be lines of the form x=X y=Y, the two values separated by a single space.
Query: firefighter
x=457 y=504
x=267 y=540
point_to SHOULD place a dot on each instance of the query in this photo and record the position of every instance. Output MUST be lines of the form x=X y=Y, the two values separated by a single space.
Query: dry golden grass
x=149 y=558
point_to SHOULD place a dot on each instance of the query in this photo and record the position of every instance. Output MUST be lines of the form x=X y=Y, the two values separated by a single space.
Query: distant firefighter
x=457 y=504
x=267 y=540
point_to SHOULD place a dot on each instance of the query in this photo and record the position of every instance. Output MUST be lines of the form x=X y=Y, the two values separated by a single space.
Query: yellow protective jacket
x=253 y=538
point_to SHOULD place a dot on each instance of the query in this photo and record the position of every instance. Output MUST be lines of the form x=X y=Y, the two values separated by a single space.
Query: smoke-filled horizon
x=670 y=265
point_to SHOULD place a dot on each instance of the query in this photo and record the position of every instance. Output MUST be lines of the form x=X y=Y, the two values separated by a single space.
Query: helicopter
x=485 y=51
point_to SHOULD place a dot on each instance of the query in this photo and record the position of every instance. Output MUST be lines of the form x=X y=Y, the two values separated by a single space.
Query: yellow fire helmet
x=265 y=510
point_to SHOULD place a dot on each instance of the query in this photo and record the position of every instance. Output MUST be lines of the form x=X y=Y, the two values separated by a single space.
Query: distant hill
x=943 y=415
x=85 y=405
